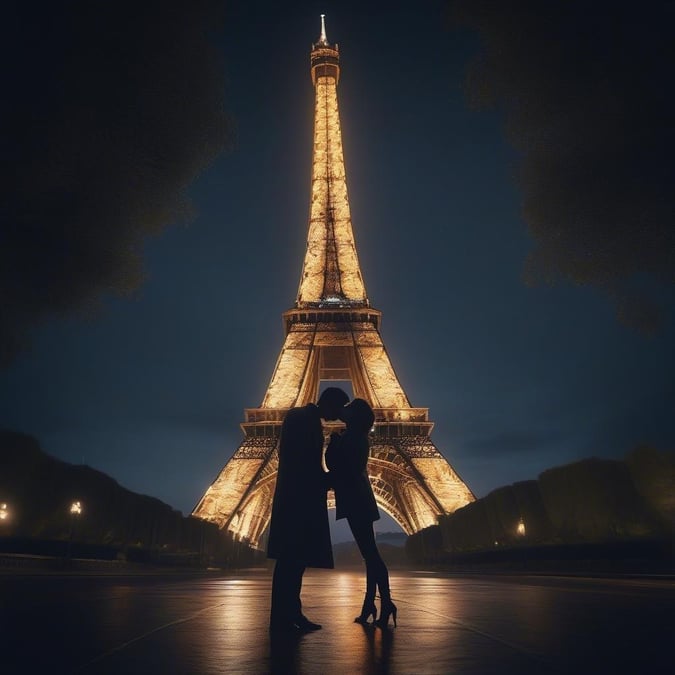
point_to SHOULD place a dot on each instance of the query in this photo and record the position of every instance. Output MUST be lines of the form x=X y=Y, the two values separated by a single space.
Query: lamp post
x=75 y=511
x=520 y=529
x=5 y=524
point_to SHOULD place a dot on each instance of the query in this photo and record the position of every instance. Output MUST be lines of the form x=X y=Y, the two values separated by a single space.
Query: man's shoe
x=303 y=623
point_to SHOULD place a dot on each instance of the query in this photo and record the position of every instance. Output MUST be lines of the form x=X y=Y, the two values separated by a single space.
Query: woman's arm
x=354 y=455
x=363 y=453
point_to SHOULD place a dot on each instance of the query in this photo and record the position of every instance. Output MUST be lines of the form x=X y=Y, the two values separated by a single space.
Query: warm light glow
x=331 y=271
x=4 y=513
x=332 y=334
x=76 y=508
x=521 y=528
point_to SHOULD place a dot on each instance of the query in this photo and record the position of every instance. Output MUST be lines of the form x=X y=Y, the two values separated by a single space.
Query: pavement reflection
x=447 y=624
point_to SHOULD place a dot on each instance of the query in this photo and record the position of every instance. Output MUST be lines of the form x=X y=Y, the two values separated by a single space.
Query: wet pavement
x=446 y=624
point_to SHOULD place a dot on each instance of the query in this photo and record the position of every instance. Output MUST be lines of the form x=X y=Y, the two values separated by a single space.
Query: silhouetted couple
x=299 y=532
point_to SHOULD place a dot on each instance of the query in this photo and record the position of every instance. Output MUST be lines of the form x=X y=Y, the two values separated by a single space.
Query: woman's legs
x=376 y=570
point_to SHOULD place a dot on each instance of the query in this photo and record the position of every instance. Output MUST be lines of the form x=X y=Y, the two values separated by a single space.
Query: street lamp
x=4 y=512
x=75 y=511
x=521 y=528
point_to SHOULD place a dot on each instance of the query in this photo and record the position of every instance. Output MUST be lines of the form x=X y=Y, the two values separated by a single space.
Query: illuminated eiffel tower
x=332 y=333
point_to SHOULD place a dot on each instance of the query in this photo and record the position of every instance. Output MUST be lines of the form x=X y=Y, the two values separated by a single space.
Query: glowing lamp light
x=4 y=513
x=76 y=508
x=521 y=528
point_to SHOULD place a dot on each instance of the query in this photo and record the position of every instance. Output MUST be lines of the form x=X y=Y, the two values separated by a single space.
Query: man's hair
x=333 y=396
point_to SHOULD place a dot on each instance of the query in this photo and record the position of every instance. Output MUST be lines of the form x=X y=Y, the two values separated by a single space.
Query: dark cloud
x=109 y=111
x=515 y=443
x=646 y=419
x=586 y=92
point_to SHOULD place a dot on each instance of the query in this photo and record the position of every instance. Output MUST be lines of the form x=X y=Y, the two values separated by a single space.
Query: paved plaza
x=464 y=624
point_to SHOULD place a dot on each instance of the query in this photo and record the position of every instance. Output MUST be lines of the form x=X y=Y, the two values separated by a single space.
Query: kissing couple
x=299 y=535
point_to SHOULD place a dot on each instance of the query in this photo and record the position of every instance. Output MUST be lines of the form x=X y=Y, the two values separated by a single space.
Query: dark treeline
x=114 y=523
x=593 y=508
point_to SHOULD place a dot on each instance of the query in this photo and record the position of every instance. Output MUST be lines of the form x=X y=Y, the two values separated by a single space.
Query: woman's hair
x=360 y=416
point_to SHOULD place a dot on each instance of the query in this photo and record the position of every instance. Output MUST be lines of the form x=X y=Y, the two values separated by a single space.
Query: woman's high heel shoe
x=366 y=613
x=388 y=609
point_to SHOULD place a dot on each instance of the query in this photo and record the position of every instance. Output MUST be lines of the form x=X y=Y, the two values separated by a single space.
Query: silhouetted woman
x=346 y=459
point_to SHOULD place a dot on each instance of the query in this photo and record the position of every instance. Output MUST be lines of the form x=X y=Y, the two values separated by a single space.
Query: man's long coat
x=299 y=527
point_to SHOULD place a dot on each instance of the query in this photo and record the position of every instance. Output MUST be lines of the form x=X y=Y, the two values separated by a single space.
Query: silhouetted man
x=299 y=532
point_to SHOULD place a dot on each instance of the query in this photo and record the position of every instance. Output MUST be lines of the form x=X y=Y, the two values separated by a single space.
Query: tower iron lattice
x=332 y=333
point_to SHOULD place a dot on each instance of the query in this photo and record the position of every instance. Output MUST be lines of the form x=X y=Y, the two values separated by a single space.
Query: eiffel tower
x=332 y=333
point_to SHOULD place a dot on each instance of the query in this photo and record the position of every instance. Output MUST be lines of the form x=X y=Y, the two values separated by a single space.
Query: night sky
x=510 y=172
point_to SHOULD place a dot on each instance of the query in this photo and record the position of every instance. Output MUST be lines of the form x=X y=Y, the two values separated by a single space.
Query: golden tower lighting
x=332 y=333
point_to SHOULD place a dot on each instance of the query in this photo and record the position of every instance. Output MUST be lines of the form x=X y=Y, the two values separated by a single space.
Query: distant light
x=76 y=508
x=333 y=300
x=4 y=513
x=521 y=528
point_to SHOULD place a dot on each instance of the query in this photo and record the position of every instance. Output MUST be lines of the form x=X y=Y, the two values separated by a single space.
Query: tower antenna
x=322 y=38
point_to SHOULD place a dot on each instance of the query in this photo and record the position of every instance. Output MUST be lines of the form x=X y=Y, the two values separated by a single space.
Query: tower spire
x=323 y=40
x=330 y=275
